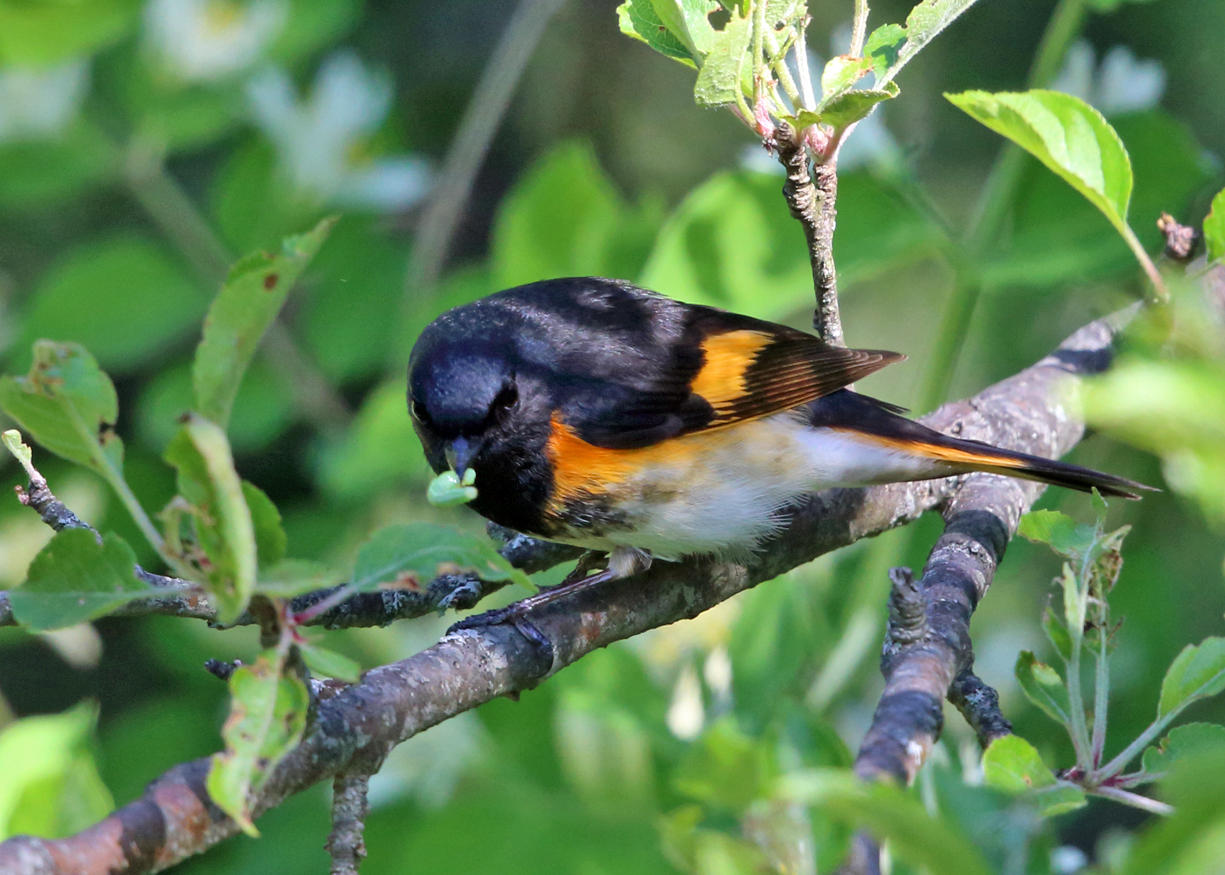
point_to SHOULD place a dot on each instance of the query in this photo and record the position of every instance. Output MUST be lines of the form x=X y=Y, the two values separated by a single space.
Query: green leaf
x=74 y=579
x=565 y=217
x=329 y=663
x=222 y=525
x=840 y=73
x=121 y=297
x=39 y=34
x=51 y=784
x=37 y=174
x=729 y=245
x=378 y=450
x=1214 y=228
x=447 y=489
x=1068 y=136
x=263 y=408
x=1192 y=840
x=726 y=768
x=270 y=539
x=1183 y=741
x=1043 y=686
x=882 y=47
x=639 y=19
x=924 y=23
x=267 y=718
x=240 y=314
x=412 y=555
x=687 y=19
x=64 y=402
x=1057 y=632
x=915 y=836
x=291 y=577
x=1198 y=671
x=719 y=81
x=1013 y=765
x=852 y=106
x=1057 y=530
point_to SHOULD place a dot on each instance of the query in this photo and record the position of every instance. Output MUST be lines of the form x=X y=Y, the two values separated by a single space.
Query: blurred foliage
x=146 y=144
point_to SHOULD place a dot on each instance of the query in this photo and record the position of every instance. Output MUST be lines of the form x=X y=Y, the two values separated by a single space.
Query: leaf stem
x=801 y=64
x=1135 y=800
x=113 y=476
x=1161 y=294
x=1101 y=690
x=178 y=218
x=859 y=28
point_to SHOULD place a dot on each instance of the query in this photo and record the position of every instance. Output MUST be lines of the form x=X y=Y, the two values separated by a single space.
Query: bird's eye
x=417 y=411
x=506 y=400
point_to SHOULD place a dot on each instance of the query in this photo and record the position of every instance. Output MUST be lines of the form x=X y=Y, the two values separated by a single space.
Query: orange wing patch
x=580 y=468
x=728 y=358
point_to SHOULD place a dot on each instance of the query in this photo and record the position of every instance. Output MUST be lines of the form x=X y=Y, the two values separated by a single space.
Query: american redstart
x=607 y=416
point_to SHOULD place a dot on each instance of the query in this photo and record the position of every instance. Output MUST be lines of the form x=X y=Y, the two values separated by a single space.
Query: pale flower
x=40 y=104
x=206 y=40
x=320 y=140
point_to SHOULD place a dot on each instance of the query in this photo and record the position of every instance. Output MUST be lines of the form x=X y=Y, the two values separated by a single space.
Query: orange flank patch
x=952 y=455
x=728 y=358
x=580 y=467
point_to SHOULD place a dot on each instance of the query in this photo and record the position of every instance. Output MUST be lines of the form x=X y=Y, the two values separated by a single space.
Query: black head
x=475 y=404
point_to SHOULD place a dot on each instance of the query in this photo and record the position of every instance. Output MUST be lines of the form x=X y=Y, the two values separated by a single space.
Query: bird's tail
x=964 y=455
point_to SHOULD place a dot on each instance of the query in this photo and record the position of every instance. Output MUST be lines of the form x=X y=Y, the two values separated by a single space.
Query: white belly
x=725 y=497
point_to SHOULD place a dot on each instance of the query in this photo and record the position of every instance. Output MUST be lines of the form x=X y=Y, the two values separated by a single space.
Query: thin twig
x=180 y=220
x=471 y=143
x=813 y=203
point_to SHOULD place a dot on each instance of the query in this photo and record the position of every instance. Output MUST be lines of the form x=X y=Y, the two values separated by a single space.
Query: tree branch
x=927 y=654
x=175 y=818
x=814 y=205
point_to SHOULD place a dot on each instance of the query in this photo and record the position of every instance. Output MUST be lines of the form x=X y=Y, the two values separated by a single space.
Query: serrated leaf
x=1060 y=532
x=329 y=663
x=270 y=539
x=688 y=21
x=74 y=579
x=222 y=526
x=267 y=718
x=248 y=302
x=1182 y=741
x=719 y=79
x=1067 y=135
x=889 y=814
x=1014 y=765
x=1043 y=686
x=412 y=555
x=1197 y=672
x=841 y=72
x=854 y=105
x=1214 y=228
x=64 y=403
x=638 y=19
x=924 y=23
x=1057 y=633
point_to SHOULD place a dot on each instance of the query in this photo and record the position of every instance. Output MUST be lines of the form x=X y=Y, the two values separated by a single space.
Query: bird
x=603 y=415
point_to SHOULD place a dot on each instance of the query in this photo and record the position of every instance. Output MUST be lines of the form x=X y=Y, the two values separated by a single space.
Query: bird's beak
x=460 y=452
